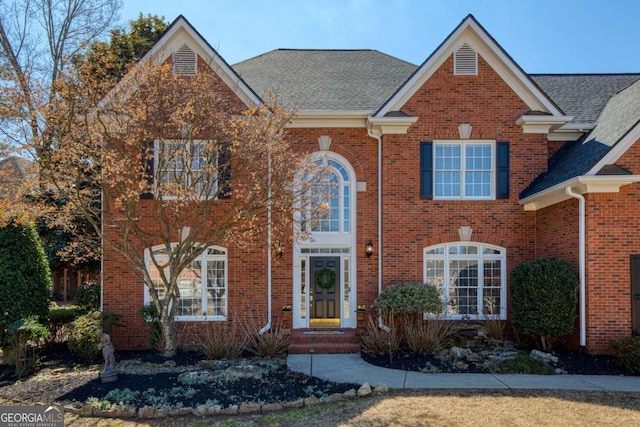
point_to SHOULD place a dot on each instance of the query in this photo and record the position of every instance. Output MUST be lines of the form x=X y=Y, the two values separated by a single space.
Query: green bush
x=543 y=297
x=22 y=334
x=522 y=364
x=83 y=340
x=88 y=296
x=25 y=279
x=627 y=352
x=409 y=298
x=59 y=321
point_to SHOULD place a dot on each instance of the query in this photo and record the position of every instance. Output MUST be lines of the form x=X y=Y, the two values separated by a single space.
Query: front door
x=324 y=299
x=635 y=294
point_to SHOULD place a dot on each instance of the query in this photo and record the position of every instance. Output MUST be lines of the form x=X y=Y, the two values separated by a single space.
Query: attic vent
x=184 y=61
x=465 y=61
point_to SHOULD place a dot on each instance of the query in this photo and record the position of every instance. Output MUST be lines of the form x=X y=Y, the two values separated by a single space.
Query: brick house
x=452 y=173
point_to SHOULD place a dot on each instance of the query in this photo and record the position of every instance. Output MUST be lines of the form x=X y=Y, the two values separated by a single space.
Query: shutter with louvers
x=502 y=170
x=426 y=170
x=149 y=168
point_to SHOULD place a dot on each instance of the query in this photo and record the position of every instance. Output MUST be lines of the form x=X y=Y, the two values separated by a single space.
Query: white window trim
x=463 y=144
x=203 y=257
x=480 y=257
x=156 y=153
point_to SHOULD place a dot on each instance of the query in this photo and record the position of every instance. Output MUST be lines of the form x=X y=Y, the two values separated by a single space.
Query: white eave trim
x=570 y=132
x=582 y=185
x=330 y=119
x=541 y=123
x=390 y=125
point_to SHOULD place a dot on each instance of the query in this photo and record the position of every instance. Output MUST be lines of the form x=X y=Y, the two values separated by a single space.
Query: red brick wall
x=410 y=223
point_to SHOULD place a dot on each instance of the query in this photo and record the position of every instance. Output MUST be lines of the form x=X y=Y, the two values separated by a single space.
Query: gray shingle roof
x=583 y=96
x=336 y=80
x=620 y=114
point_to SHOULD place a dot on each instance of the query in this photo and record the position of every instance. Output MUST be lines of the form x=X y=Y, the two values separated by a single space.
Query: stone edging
x=243 y=408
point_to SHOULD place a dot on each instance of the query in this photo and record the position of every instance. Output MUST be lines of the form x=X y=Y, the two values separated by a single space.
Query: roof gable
x=471 y=33
x=181 y=32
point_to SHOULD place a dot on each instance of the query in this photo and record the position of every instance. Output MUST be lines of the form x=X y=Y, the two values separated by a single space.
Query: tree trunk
x=169 y=335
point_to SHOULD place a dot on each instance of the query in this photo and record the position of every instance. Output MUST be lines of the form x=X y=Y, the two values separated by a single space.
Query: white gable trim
x=618 y=150
x=471 y=33
x=329 y=119
x=181 y=32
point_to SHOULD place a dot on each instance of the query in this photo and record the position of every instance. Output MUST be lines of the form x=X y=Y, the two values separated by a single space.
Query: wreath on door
x=326 y=278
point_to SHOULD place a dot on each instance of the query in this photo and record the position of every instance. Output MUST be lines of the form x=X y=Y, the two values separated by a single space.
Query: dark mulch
x=278 y=384
x=570 y=362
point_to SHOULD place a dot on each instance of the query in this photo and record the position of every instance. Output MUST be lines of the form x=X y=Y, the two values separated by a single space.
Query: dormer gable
x=466 y=44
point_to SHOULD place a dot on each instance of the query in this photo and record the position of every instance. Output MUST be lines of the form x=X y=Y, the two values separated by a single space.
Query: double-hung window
x=186 y=169
x=202 y=285
x=471 y=277
x=464 y=170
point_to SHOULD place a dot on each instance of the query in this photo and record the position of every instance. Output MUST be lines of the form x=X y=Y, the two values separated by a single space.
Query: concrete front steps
x=324 y=341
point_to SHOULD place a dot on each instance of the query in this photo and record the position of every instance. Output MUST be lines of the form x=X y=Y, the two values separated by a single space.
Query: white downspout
x=379 y=139
x=582 y=262
x=266 y=327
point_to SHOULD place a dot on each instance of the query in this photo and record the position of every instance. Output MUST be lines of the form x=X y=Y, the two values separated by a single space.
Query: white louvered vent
x=184 y=61
x=465 y=61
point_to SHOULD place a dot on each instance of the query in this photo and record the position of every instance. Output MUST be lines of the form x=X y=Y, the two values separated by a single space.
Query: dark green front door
x=325 y=284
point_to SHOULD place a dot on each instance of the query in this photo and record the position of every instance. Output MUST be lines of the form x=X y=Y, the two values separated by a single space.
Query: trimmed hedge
x=409 y=298
x=543 y=298
x=627 y=352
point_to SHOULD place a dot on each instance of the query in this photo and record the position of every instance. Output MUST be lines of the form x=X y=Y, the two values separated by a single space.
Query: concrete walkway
x=350 y=368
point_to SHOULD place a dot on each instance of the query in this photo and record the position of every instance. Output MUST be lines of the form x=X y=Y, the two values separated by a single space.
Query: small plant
x=122 y=398
x=493 y=325
x=271 y=343
x=627 y=352
x=58 y=323
x=87 y=296
x=220 y=340
x=286 y=308
x=430 y=368
x=361 y=307
x=426 y=336
x=522 y=364
x=380 y=341
x=22 y=333
x=149 y=313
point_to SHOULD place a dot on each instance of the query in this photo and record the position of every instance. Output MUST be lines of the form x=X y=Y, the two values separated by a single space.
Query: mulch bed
x=570 y=362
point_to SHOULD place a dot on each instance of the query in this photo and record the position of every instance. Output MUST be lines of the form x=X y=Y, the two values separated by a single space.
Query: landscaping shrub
x=543 y=297
x=627 y=352
x=58 y=323
x=522 y=364
x=219 y=340
x=88 y=296
x=23 y=335
x=409 y=298
x=25 y=282
x=426 y=336
x=83 y=340
x=271 y=343
x=378 y=341
x=149 y=313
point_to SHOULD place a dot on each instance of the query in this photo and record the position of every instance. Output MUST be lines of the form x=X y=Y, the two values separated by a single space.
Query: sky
x=542 y=36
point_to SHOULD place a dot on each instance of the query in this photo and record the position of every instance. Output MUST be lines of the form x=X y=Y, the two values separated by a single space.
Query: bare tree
x=177 y=163
x=38 y=39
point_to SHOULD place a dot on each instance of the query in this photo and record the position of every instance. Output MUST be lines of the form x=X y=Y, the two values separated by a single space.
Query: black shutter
x=426 y=170
x=224 y=173
x=149 y=168
x=502 y=170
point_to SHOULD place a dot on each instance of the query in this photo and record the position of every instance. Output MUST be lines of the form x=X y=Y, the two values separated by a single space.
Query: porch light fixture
x=369 y=249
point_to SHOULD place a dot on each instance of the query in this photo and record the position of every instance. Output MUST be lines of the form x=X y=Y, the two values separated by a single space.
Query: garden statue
x=108 y=372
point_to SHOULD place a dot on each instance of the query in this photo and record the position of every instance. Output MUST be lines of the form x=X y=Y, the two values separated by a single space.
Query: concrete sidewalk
x=350 y=368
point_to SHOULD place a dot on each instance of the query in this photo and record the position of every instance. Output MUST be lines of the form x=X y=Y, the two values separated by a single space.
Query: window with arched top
x=471 y=277
x=329 y=210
